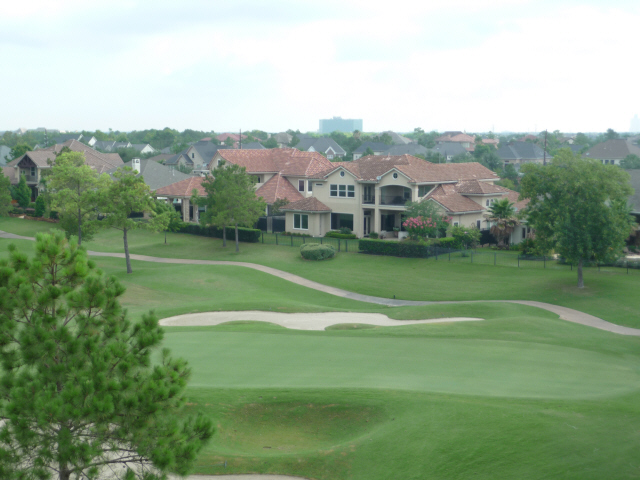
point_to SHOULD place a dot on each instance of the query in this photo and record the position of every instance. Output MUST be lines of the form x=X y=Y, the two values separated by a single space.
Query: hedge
x=402 y=249
x=335 y=234
x=315 y=251
x=249 y=235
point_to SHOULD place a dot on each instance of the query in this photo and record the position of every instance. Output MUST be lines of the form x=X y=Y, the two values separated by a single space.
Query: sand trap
x=298 y=321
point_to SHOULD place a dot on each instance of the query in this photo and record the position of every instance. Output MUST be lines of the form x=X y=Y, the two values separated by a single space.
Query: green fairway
x=520 y=395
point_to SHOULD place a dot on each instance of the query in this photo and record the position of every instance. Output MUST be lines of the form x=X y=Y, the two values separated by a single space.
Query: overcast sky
x=474 y=65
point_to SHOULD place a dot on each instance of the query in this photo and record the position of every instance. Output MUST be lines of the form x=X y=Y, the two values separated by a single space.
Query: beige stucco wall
x=317 y=223
x=346 y=205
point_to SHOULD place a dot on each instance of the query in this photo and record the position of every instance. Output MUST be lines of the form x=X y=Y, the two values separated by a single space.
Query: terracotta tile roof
x=278 y=188
x=183 y=188
x=459 y=137
x=286 y=161
x=456 y=203
x=472 y=187
x=371 y=167
x=309 y=204
x=451 y=197
x=234 y=136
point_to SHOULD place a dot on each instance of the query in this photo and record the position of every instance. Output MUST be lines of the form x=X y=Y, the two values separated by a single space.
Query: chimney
x=135 y=164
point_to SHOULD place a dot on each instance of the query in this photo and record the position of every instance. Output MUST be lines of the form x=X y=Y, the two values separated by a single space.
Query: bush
x=446 y=242
x=53 y=215
x=249 y=235
x=412 y=249
x=294 y=234
x=373 y=235
x=40 y=206
x=315 y=251
x=465 y=237
x=339 y=234
x=345 y=231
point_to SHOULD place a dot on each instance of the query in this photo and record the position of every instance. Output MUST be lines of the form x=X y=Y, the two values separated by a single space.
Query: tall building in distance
x=635 y=124
x=339 y=124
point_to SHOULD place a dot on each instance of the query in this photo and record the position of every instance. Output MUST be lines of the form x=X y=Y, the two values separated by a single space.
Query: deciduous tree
x=79 y=397
x=578 y=207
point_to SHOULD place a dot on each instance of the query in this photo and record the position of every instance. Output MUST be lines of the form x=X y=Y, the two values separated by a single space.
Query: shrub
x=339 y=234
x=315 y=251
x=412 y=249
x=294 y=234
x=446 y=242
x=249 y=235
x=373 y=235
x=465 y=237
x=345 y=230
x=40 y=206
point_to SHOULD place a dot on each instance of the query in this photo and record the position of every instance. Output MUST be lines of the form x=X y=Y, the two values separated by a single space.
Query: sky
x=225 y=65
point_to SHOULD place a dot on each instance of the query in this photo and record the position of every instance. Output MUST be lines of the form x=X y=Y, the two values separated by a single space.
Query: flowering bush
x=465 y=237
x=422 y=227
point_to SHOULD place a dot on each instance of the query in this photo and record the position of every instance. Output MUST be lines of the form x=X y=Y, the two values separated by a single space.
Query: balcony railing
x=369 y=199
x=30 y=178
x=398 y=200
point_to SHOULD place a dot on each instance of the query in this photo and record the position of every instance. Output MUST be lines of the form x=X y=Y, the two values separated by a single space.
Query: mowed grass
x=608 y=295
x=521 y=394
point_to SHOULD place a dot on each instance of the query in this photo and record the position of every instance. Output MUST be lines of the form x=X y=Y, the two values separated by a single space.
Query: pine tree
x=23 y=192
x=79 y=397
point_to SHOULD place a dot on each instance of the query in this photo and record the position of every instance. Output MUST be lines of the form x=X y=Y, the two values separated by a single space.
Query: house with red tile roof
x=369 y=194
x=181 y=193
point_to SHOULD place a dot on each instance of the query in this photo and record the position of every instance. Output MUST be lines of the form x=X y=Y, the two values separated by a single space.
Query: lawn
x=521 y=394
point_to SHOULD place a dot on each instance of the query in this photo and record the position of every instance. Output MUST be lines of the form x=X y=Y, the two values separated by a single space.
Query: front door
x=367 y=225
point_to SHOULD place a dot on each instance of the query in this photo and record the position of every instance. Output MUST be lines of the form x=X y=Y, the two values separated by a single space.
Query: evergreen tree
x=79 y=397
x=23 y=192
x=5 y=195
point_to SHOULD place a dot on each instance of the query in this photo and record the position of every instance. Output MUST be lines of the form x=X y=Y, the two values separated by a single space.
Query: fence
x=340 y=244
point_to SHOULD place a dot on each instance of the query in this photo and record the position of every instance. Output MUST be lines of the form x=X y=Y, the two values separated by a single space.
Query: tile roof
x=156 y=175
x=456 y=203
x=371 y=167
x=374 y=146
x=474 y=187
x=322 y=144
x=617 y=148
x=456 y=137
x=162 y=157
x=286 y=161
x=234 y=136
x=452 y=197
x=521 y=151
x=183 y=188
x=309 y=204
x=10 y=173
x=278 y=188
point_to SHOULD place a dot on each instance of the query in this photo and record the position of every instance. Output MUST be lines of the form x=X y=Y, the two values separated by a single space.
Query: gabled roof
x=253 y=146
x=141 y=146
x=322 y=144
x=101 y=162
x=397 y=138
x=183 y=188
x=454 y=202
x=617 y=148
x=474 y=187
x=175 y=159
x=68 y=136
x=278 y=188
x=309 y=204
x=371 y=167
x=282 y=137
x=453 y=196
x=234 y=136
x=286 y=161
x=156 y=175
x=456 y=137
x=374 y=146
x=521 y=151
x=206 y=150
x=408 y=149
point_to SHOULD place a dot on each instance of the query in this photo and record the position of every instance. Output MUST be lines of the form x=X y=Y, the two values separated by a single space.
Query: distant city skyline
x=473 y=65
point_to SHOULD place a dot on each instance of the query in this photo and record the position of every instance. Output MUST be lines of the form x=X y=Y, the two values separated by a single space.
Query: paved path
x=298 y=321
x=565 y=313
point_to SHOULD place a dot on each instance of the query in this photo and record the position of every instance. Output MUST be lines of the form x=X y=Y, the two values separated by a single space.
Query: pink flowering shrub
x=423 y=227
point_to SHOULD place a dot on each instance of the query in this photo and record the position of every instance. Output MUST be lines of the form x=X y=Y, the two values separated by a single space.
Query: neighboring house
x=166 y=150
x=91 y=141
x=234 y=136
x=179 y=160
x=448 y=150
x=154 y=174
x=68 y=136
x=279 y=172
x=397 y=139
x=179 y=195
x=283 y=139
x=369 y=194
x=326 y=146
x=143 y=147
x=612 y=152
x=378 y=148
x=519 y=153
x=110 y=145
x=31 y=164
x=162 y=157
x=253 y=146
x=200 y=154
x=467 y=141
x=408 y=149
x=491 y=141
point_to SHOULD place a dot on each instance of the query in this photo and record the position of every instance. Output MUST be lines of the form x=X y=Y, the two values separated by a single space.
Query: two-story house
x=31 y=164
x=369 y=194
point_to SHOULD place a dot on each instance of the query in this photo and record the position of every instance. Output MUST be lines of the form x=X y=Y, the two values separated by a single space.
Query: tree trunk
x=126 y=251
x=237 y=244
x=79 y=226
x=580 y=279
x=165 y=237
x=224 y=236
x=65 y=474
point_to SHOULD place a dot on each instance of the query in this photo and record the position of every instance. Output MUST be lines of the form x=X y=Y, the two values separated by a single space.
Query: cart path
x=565 y=313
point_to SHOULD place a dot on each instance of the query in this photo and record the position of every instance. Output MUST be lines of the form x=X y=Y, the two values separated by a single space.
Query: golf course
x=510 y=391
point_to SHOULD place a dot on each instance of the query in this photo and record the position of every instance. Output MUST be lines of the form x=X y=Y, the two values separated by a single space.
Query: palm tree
x=502 y=216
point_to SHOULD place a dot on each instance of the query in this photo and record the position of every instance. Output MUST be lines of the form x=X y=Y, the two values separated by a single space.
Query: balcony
x=395 y=200
x=369 y=199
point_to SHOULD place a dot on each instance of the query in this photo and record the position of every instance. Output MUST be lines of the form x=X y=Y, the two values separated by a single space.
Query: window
x=301 y=185
x=300 y=221
x=342 y=174
x=258 y=178
x=193 y=155
x=344 y=191
x=423 y=190
x=330 y=157
x=351 y=191
x=479 y=224
x=333 y=190
x=455 y=224
x=340 y=220
x=395 y=175
x=524 y=233
x=309 y=186
x=487 y=203
x=33 y=171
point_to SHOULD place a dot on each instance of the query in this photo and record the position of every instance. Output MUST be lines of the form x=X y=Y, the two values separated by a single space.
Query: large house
x=326 y=146
x=369 y=194
x=519 y=153
x=612 y=152
x=31 y=164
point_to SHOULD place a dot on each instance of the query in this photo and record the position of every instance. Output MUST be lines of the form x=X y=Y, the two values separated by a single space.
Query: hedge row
x=334 y=234
x=403 y=249
x=249 y=235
